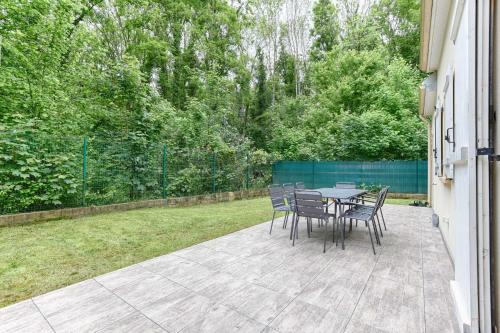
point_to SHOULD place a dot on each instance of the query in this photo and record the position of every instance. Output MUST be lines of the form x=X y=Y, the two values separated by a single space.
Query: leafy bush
x=34 y=176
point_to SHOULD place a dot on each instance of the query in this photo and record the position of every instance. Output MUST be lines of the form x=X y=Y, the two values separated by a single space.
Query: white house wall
x=450 y=197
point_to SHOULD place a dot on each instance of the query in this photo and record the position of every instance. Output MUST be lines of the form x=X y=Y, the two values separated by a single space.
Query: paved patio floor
x=251 y=281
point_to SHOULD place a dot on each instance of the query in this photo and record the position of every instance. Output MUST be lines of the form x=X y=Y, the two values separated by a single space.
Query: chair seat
x=358 y=214
x=284 y=208
x=364 y=207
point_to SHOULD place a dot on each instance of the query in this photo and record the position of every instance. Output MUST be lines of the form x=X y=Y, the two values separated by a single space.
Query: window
x=448 y=129
x=438 y=141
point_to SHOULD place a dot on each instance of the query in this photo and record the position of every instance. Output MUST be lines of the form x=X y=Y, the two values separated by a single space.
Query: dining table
x=340 y=196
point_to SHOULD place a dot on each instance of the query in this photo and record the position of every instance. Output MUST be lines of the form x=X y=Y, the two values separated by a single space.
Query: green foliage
x=399 y=21
x=135 y=75
x=364 y=108
x=36 y=173
x=326 y=30
x=260 y=120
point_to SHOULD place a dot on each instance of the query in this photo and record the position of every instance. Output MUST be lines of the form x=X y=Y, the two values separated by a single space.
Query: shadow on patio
x=252 y=281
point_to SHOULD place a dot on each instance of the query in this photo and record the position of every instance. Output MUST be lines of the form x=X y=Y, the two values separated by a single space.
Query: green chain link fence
x=401 y=176
x=47 y=172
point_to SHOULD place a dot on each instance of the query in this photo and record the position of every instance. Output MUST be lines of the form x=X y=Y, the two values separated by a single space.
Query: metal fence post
x=247 y=176
x=213 y=172
x=164 y=173
x=84 y=170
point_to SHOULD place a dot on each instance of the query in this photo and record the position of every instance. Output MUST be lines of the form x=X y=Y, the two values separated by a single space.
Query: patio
x=251 y=281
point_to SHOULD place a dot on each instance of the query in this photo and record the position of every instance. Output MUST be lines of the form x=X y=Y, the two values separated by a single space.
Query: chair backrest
x=288 y=192
x=277 y=195
x=300 y=186
x=386 y=190
x=309 y=204
x=345 y=185
x=379 y=202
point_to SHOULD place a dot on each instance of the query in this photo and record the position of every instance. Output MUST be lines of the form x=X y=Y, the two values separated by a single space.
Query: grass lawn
x=40 y=257
x=405 y=202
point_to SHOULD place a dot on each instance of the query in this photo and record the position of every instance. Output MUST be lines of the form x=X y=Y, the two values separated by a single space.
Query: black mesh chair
x=279 y=204
x=364 y=213
x=309 y=204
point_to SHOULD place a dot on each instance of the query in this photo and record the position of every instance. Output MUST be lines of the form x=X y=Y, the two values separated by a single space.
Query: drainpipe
x=487 y=150
x=492 y=159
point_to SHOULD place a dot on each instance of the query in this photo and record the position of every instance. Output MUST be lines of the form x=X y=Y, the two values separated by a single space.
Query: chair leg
x=326 y=235
x=383 y=220
x=272 y=221
x=292 y=226
x=297 y=227
x=294 y=229
x=333 y=227
x=285 y=220
x=343 y=234
x=375 y=231
x=337 y=222
x=379 y=227
x=371 y=239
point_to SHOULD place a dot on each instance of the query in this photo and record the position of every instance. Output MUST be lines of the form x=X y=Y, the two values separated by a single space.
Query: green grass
x=399 y=201
x=40 y=257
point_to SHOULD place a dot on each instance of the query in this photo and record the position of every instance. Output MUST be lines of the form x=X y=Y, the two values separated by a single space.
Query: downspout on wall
x=493 y=143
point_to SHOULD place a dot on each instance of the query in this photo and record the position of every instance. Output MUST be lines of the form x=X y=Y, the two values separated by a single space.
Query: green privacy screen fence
x=401 y=176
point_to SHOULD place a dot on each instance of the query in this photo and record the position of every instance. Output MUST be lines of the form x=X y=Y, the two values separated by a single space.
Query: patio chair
x=309 y=204
x=364 y=213
x=288 y=192
x=370 y=198
x=278 y=202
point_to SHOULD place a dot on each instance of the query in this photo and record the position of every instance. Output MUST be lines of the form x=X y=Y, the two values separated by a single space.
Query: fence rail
x=401 y=176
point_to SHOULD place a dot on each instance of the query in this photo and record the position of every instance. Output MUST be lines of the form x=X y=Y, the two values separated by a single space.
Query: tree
x=231 y=77
x=259 y=115
x=286 y=68
x=269 y=30
x=399 y=22
x=297 y=28
x=326 y=29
